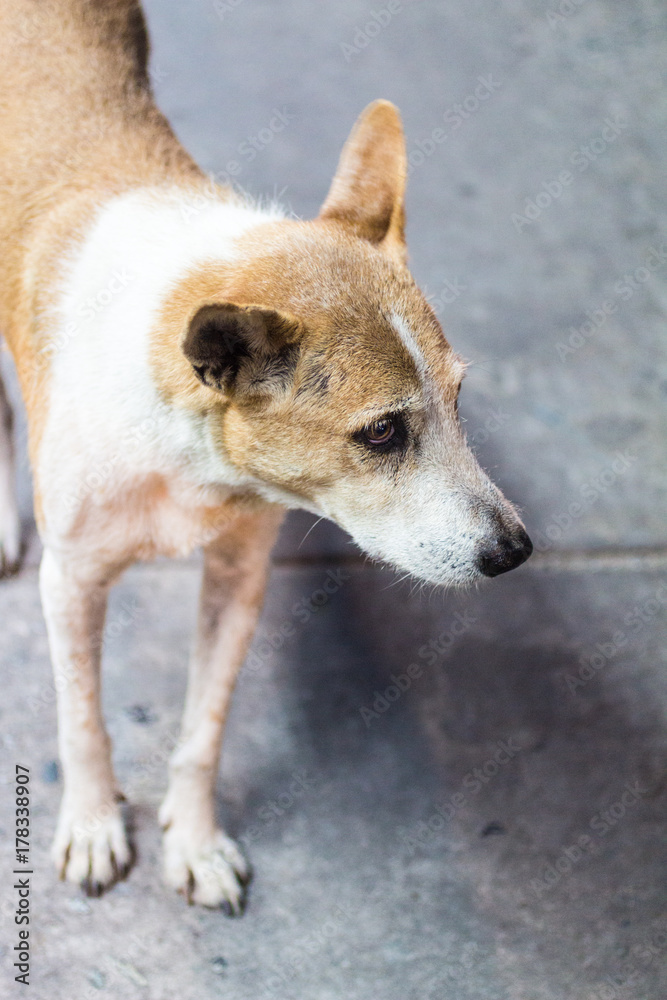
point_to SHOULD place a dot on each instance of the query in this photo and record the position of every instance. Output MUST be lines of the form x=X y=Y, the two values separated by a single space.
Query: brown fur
x=351 y=367
x=272 y=372
x=79 y=109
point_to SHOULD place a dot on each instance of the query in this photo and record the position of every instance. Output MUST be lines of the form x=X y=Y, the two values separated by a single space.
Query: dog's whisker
x=309 y=530
x=395 y=583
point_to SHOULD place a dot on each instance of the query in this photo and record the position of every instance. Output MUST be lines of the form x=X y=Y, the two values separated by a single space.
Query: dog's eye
x=388 y=434
x=380 y=431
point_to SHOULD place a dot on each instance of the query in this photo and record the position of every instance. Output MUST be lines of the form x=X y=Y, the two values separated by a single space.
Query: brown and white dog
x=192 y=365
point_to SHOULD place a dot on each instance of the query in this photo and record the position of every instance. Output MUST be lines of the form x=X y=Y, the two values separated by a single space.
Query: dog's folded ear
x=242 y=350
x=367 y=194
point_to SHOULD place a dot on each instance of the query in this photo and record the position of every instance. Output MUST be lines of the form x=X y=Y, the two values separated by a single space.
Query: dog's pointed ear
x=242 y=350
x=367 y=194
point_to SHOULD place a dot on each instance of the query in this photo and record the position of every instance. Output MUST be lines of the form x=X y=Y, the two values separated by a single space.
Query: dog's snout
x=507 y=552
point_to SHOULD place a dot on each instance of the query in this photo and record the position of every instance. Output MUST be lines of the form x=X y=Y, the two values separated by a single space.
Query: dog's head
x=330 y=383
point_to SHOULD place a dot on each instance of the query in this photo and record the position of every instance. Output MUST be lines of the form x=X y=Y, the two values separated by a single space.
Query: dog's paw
x=10 y=539
x=209 y=870
x=92 y=848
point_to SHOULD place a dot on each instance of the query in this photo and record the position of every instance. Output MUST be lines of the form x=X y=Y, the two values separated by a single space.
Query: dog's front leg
x=199 y=859
x=90 y=845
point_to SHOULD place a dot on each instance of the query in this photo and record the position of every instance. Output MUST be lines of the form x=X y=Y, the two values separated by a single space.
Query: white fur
x=428 y=524
x=90 y=844
x=108 y=431
x=107 y=424
x=428 y=529
x=410 y=343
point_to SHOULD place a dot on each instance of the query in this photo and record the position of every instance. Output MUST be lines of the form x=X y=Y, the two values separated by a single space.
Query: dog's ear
x=368 y=192
x=242 y=350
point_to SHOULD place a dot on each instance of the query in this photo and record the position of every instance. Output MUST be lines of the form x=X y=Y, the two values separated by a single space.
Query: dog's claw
x=92 y=852
x=10 y=559
x=92 y=889
x=211 y=872
x=10 y=537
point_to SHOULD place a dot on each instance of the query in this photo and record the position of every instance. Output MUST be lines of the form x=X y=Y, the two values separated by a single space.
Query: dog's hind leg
x=10 y=524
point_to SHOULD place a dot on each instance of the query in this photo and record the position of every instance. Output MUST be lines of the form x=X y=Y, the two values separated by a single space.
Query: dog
x=193 y=365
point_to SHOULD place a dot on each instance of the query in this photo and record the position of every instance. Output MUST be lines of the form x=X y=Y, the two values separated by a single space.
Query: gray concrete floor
x=412 y=863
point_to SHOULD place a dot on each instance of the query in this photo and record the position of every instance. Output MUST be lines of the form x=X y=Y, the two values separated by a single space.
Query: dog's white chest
x=115 y=457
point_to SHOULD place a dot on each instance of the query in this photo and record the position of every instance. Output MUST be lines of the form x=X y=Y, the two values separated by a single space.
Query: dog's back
x=77 y=119
x=71 y=69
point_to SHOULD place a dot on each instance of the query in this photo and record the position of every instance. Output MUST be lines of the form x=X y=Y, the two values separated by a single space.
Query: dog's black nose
x=508 y=553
